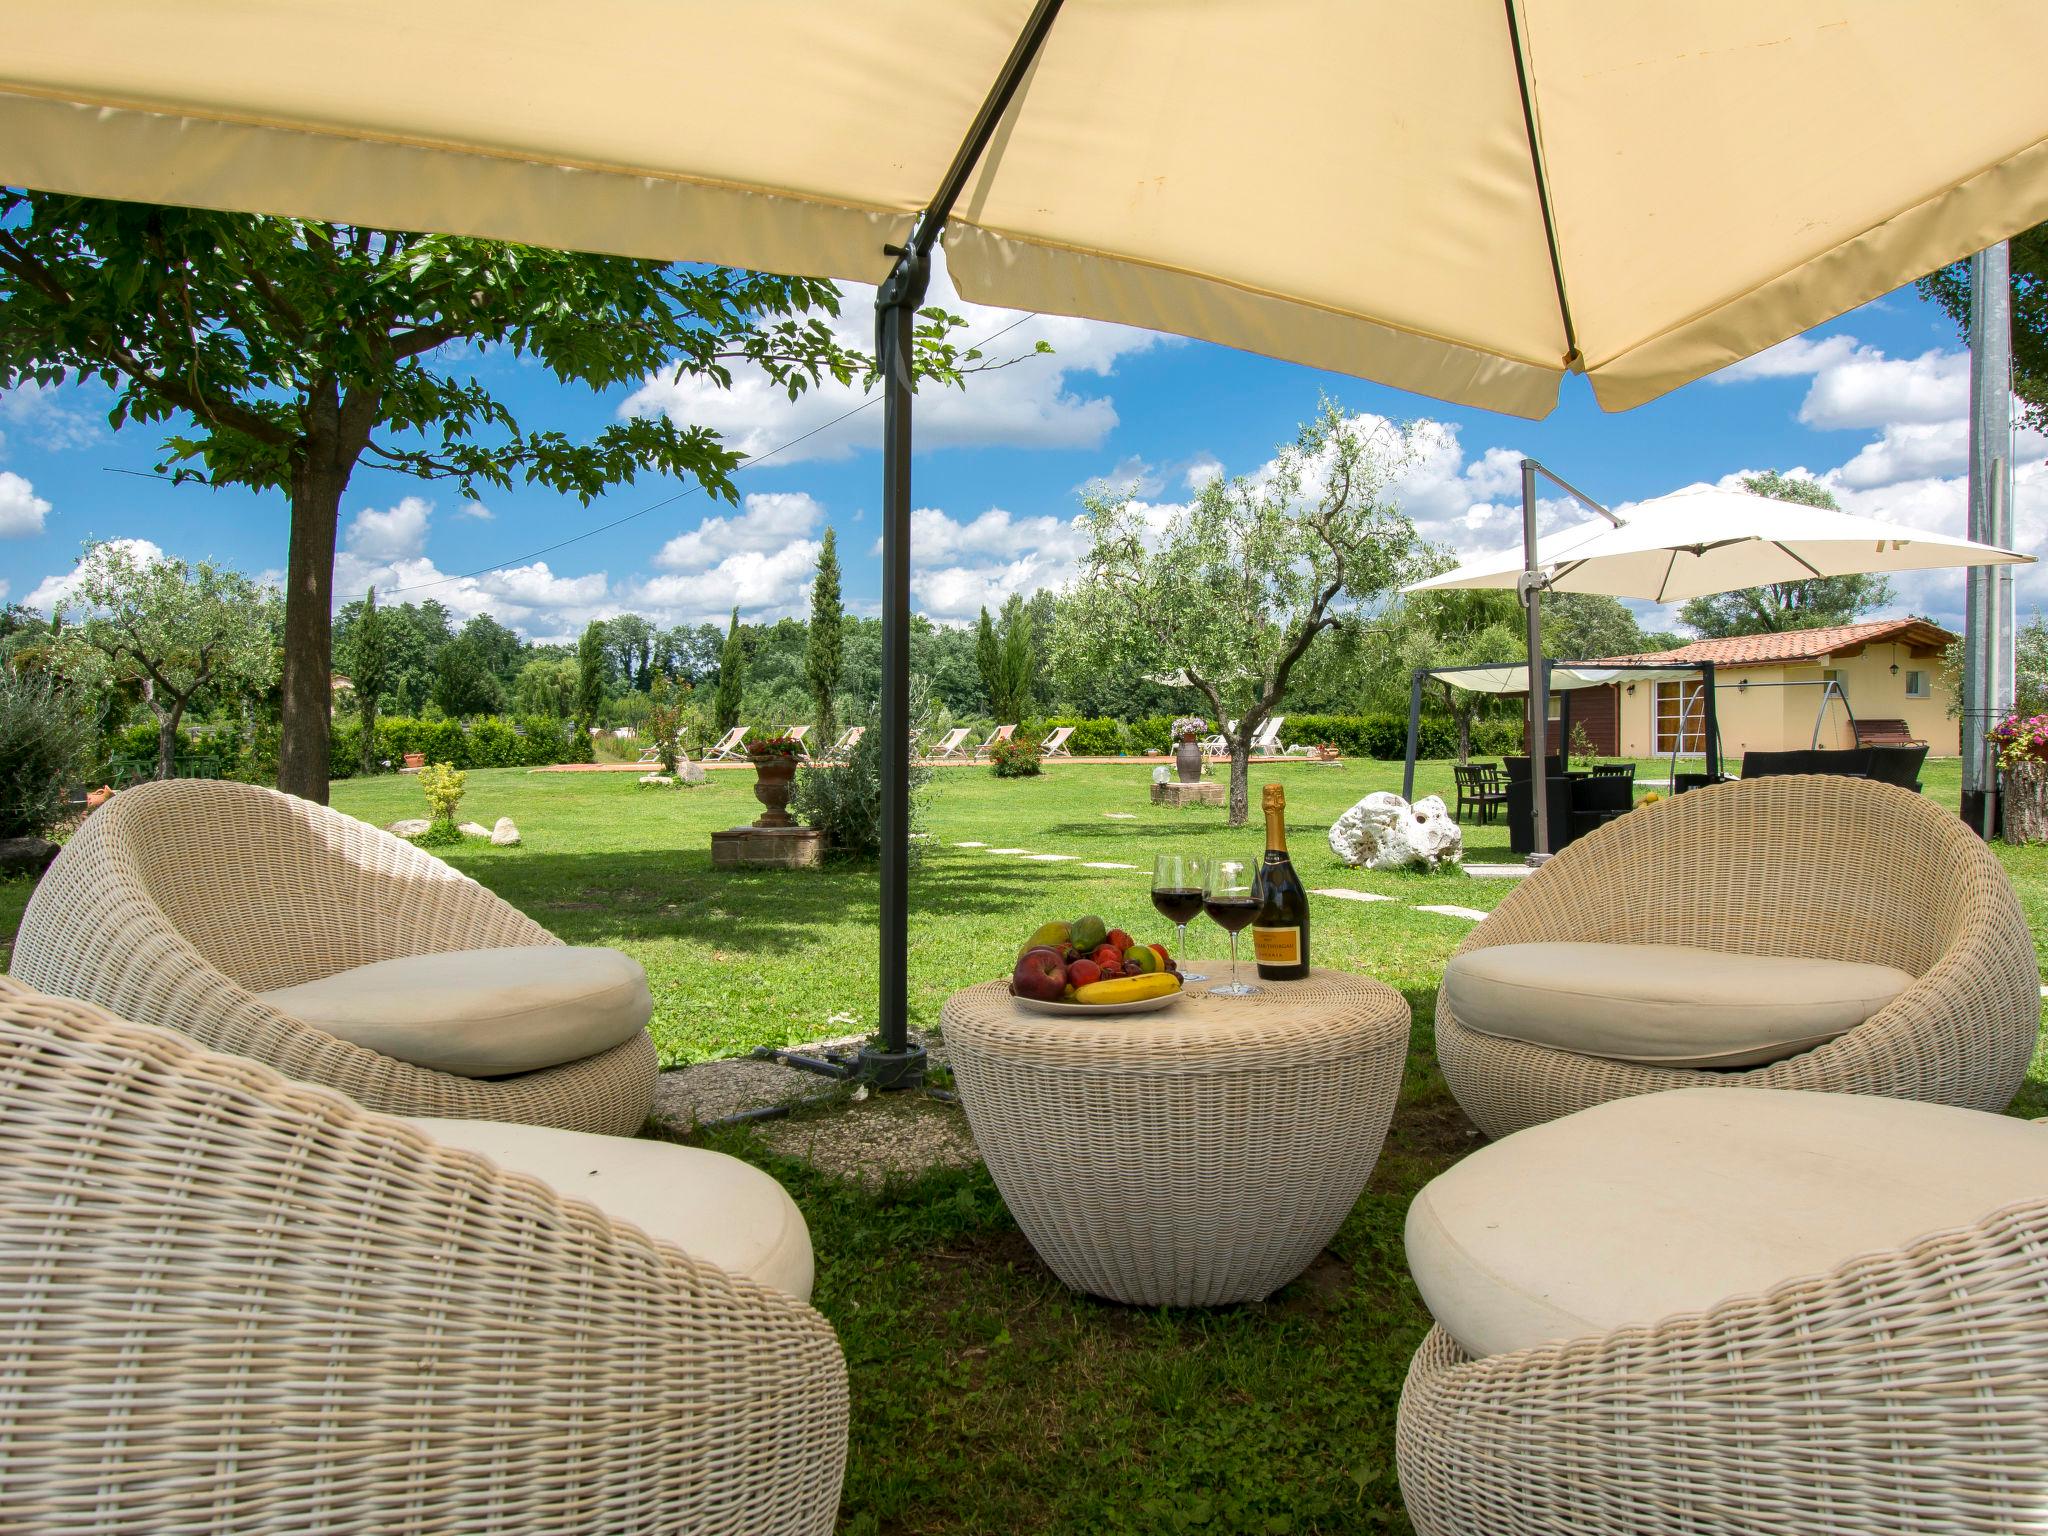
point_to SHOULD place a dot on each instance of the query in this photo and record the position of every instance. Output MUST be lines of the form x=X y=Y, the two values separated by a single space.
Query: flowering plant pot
x=774 y=746
x=774 y=779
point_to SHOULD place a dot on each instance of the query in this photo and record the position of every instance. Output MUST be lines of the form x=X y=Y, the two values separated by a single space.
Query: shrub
x=1092 y=738
x=844 y=800
x=443 y=784
x=46 y=740
x=1148 y=734
x=1016 y=758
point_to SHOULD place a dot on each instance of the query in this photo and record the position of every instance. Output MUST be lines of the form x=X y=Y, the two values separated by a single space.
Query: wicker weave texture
x=176 y=902
x=1820 y=866
x=236 y=1304
x=1902 y=1394
x=1191 y=1157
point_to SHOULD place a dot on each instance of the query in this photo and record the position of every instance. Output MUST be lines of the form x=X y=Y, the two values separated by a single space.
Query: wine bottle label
x=1276 y=946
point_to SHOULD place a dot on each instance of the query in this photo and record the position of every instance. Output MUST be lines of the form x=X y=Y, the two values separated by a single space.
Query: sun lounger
x=1266 y=741
x=1000 y=733
x=848 y=739
x=1055 y=745
x=950 y=748
x=731 y=746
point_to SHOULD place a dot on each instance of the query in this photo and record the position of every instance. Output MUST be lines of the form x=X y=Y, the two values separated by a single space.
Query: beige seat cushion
x=481 y=1012
x=1664 y=1005
x=713 y=1207
x=1636 y=1210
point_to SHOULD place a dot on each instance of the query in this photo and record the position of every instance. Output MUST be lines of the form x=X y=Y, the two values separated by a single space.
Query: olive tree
x=172 y=631
x=1232 y=589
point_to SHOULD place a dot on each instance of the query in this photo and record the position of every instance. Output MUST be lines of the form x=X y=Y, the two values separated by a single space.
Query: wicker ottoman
x=1194 y=1156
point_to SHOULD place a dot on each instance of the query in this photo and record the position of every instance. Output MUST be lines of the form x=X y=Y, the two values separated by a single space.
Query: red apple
x=1120 y=939
x=1082 y=972
x=1164 y=958
x=1041 y=975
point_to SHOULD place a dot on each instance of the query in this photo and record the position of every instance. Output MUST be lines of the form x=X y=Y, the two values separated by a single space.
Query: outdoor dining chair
x=1055 y=744
x=999 y=734
x=239 y=1303
x=950 y=747
x=1483 y=787
x=729 y=748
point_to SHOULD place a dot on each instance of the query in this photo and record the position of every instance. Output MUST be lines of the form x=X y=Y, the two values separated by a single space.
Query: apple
x=1120 y=939
x=1142 y=959
x=1082 y=972
x=1165 y=960
x=1040 y=974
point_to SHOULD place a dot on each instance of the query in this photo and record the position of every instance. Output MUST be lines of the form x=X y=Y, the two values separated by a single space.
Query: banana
x=1128 y=989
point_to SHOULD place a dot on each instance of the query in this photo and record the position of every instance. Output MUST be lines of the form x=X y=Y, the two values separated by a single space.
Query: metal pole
x=1987 y=622
x=1531 y=592
x=1712 y=743
x=1414 y=733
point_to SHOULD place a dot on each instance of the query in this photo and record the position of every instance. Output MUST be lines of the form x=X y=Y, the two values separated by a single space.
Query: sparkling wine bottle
x=1280 y=931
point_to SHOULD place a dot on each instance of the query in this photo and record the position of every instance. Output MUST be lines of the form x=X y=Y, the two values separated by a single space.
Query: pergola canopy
x=1565 y=676
x=1466 y=198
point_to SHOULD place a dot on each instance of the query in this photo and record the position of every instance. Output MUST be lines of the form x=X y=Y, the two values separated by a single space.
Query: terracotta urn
x=774 y=778
x=415 y=759
x=95 y=798
x=1187 y=761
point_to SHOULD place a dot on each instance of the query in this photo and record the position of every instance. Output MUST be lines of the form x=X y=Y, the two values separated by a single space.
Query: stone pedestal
x=768 y=848
x=1205 y=793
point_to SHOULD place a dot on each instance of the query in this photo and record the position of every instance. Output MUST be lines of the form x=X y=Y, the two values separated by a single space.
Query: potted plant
x=774 y=759
x=2022 y=742
x=1187 y=751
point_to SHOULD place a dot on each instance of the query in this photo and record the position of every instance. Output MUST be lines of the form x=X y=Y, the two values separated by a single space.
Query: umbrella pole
x=1414 y=733
x=1531 y=593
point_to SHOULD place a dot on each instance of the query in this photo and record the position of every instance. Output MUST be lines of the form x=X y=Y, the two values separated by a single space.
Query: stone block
x=768 y=848
x=1205 y=793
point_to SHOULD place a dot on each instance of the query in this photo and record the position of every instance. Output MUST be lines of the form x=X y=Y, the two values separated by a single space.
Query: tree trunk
x=367 y=704
x=1240 y=776
x=309 y=630
x=167 y=740
x=1464 y=737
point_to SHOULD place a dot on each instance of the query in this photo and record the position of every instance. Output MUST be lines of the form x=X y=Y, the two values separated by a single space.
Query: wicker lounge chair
x=176 y=903
x=238 y=1303
x=1729 y=1313
x=1819 y=867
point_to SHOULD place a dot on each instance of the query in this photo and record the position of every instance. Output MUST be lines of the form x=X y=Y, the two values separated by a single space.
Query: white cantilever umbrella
x=1467 y=198
x=1692 y=543
x=1704 y=540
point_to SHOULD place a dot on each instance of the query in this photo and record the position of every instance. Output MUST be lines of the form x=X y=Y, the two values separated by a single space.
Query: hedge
x=1383 y=736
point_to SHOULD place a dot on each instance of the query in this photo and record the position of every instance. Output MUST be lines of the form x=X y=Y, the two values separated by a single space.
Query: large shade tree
x=1233 y=589
x=280 y=354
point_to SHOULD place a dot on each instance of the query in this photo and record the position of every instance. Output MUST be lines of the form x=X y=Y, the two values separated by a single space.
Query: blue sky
x=1874 y=403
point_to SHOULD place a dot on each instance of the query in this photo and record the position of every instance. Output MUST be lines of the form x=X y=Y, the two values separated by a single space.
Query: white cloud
x=396 y=533
x=21 y=510
x=1794 y=357
x=1203 y=468
x=53 y=592
x=768 y=521
x=40 y=413
x=1872 y=391
x=761 y=583
x=1029 y=404
x=477 y=511
x=1131 y=476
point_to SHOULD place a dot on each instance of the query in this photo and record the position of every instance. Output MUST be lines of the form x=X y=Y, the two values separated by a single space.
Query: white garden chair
x=1216 y=744
x=950 y=748
x=999 y=734
x=1055 y=745
x=731 y=746
x=1266 y=740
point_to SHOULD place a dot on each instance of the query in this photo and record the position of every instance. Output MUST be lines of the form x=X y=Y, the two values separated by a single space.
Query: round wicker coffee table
x=1198 y=1155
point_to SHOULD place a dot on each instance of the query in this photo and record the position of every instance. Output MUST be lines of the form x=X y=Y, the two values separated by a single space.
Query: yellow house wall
x=1764 y=719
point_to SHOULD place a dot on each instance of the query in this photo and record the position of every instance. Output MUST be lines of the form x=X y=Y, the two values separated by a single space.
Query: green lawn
x=986 y=1399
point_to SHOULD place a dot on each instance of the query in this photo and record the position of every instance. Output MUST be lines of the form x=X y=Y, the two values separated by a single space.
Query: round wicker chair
x=1899 y=1393
x=240 y=1304
x=1817 y=866
x=177 y=902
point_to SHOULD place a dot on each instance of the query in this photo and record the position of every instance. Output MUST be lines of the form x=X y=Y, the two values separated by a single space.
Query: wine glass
x=1230 y=900
x=1177 y=897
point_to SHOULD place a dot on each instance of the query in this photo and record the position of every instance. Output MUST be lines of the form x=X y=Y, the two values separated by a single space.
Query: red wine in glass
x=1230 y=896
x=1232 y=914
x=1177 y=897
x=1179 y=905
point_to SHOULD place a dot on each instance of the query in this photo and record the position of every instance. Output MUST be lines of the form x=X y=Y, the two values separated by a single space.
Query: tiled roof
x=1801 y=644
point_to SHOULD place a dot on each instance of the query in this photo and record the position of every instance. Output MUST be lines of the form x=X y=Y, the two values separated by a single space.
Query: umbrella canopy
x=1467 y=198
x=1565 y=677
x=1704 y=540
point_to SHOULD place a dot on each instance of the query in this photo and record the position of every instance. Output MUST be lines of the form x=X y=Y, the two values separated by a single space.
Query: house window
x=1918 y=686
x=1680 y=718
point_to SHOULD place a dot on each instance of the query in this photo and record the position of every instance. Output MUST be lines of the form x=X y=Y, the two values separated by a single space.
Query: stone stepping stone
x=1009 y=850
x=1464 y=912
x=970 y=845
x=1050 y=858
x=1121 y=815
x=1344 y=894
x=1091 y=864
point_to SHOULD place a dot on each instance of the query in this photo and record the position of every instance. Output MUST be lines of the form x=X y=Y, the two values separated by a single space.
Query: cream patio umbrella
x=1467 y=198
x=1695 y=542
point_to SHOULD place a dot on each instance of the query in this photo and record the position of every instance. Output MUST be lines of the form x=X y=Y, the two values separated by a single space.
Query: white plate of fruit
x=1086 y=966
